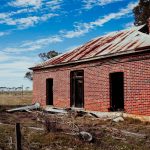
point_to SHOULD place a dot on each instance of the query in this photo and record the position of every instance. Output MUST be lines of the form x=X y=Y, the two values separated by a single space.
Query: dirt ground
x=45 y=131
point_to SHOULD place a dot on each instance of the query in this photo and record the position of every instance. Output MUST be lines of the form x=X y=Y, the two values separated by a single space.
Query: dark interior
x=117 y=91
x=49 y=91
x=77 y=89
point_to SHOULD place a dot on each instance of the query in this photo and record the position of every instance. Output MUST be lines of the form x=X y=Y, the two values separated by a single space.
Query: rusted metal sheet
x=122 y=41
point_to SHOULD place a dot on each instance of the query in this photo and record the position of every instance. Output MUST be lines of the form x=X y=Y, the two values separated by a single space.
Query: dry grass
x=103 y=136
x=16 y=98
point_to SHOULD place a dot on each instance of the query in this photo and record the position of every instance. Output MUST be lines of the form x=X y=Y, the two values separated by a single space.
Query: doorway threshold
x=77 y=109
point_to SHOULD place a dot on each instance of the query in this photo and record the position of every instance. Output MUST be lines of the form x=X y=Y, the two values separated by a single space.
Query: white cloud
x=17 y=65
x=3 y=16
x=26 y=3
x=53 y=4
x=3 y=57
x=34 y=45
x=4 y=33
x=129 y=25
x=29 y=8
x=13 y=68
x=23 y=23
x=34 y=5
x=15 y=71
x=82 y=28
x=88 y=4
x=22 y=11
x=11 y=57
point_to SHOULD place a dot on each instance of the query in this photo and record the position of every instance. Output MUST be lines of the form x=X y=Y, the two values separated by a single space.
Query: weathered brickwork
x=136 y=70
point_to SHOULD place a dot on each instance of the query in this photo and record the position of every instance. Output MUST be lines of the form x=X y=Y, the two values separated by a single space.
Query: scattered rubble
x=118 y=119
x=86 y=136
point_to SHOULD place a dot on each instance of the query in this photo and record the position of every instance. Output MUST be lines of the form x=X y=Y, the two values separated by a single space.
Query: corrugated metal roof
x=116 y=42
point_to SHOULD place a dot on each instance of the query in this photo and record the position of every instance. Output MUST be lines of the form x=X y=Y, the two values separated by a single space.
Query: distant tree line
x=13 y=90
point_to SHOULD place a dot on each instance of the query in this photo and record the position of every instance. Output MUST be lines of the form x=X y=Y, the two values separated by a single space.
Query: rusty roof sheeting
x=112 y=43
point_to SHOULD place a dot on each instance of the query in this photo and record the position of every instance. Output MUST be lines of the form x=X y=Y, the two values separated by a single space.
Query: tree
x=141 y=12
x=48 y=55
x=44 y=57
x=29 y=75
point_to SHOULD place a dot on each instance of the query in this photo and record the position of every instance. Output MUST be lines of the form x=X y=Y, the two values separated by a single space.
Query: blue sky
x=29 y=27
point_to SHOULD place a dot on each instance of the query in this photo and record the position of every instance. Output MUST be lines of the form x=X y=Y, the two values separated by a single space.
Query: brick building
x=109 y=73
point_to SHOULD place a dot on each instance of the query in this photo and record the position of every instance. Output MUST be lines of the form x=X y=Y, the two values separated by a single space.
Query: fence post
x=22 y=92
x=18 y=137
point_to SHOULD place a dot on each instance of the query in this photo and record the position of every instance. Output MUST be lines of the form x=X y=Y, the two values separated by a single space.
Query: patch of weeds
x=132 y=121
x=146 y=123
x=6 y=132
x=50 y=126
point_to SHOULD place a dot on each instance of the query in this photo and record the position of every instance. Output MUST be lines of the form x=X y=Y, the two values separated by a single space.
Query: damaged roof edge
x=137 y=50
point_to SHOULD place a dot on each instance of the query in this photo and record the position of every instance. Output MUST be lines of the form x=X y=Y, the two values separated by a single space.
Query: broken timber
x=25 y=108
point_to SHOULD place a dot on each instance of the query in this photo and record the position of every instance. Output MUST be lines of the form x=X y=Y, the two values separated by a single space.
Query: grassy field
x=16 y=98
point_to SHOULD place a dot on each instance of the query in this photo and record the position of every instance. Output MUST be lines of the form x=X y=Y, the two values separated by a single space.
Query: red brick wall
x=96 y=84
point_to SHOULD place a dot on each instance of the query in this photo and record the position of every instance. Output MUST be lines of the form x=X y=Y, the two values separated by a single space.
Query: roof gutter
x=138 y=50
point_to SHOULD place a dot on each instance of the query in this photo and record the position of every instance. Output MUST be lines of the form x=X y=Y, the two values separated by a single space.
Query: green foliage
x=48 y=55
x=142 y=12
x=29 y=75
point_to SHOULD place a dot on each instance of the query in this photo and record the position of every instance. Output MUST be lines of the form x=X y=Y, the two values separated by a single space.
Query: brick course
x=136 y=68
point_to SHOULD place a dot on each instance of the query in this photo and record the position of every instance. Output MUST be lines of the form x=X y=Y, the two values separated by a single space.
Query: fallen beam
x=55 y=110
x=25 y=108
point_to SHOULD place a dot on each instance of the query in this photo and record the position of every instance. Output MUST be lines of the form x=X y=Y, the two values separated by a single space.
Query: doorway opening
x=49 y=91
x=77 y=89
x=116 y=91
